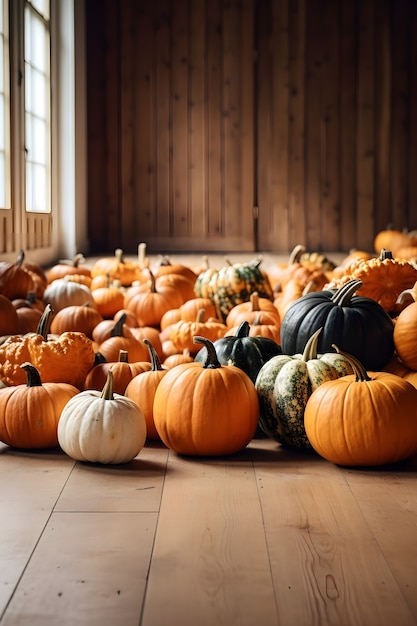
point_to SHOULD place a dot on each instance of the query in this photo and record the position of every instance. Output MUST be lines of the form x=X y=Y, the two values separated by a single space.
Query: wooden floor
x=267 y=537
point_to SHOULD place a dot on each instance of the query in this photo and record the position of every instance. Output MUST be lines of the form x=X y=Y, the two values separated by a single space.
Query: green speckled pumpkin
x=284 y=385
x=233 y=284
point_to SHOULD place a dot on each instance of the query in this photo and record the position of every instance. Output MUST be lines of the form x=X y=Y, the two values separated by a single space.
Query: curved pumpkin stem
x=211 y=362
x=107 y=391
x=155 y=362
x=242 y=330
x=117 y=330
x=32 y=374
x=360 y=372
x=44 y=324
x=296 y=253
x=310 y=349
x=343 y=296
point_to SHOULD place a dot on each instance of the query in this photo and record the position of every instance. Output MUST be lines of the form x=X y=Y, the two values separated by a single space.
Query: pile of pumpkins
x=318 y=356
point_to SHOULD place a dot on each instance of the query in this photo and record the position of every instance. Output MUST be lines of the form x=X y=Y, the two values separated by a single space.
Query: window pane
x=4 y=108
x=42 y=6
x=37 y=107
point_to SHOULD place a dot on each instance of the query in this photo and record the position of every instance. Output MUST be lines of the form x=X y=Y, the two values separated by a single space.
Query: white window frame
x=68 y=135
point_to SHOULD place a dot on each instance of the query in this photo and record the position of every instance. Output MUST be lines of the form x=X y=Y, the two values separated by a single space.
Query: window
x=37 y=105
x=4 y=107
x=42 y=139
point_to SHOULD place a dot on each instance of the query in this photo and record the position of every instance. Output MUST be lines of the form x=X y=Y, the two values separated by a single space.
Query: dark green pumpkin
x=247 y=353
x=358 y=325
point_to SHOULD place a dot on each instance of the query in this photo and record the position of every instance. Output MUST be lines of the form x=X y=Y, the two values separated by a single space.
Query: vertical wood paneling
x=400 y=111
x=185 y=137
x=347 y=86
x=159 y=212
x=179 y=123
x=296 y=123
x=383 y=115
x=365 y=153
x=198 y=119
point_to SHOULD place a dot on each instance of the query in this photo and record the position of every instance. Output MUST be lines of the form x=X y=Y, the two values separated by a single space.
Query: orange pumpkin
x=247 y=311
x=382 y=431
x=79 y=318
x=123 y=372
x=183 y=332
x=117 y=268
x=66 y=267
x=29 y=413
x=58 y=358
x=142 y=388
x=149 y=305
x=405 y=336
x=206 y=409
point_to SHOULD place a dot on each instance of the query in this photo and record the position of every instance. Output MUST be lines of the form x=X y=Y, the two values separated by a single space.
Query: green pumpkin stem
x=32 y=375
x=211 y=362
x=359 y=370
x=107 y=391
x=310 y=349
x=44 y=324
x=155 y=362
x=343 y=296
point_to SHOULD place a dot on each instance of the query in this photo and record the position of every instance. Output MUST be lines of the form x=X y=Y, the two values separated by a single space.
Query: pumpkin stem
x=360 y=372
x=310 y=349
x=141 y=254
x=123 y=356
x=117 y=330
x=107 y=391
x=20 y=259
x=343 y=296
x=32 y=375
x=385 y=254
x=296 y=253
x=243 y=330
x=254 y=300
x=211 y=362
x=155 y=362
x=118 y=253
x=44 y=324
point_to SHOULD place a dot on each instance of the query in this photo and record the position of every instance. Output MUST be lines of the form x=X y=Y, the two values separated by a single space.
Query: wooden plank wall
x=174 y=166
x=337 y=121
x=250 y=124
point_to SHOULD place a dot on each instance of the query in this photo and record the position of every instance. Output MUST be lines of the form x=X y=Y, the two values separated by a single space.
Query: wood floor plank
x=134 y=486
x=89 y=569
x=30 y=484
x=327 y=565
x=388 y=501
x=210 y=563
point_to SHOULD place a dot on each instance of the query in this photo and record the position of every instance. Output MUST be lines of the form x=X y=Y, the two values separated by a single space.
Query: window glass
x=37 y=106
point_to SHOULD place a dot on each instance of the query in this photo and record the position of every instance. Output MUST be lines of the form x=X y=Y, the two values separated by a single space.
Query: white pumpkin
x=102 y=427
x=61 y=293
